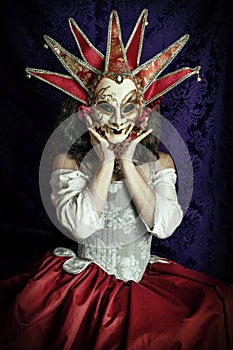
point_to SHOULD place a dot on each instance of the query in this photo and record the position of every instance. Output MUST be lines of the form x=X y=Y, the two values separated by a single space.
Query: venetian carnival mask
x=117 y=107
x=115 y=87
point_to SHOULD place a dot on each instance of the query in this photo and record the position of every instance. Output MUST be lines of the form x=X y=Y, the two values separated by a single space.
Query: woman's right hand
x=101 y=146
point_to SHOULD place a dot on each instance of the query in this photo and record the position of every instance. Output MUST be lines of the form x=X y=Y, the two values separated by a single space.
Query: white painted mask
x=117 y=106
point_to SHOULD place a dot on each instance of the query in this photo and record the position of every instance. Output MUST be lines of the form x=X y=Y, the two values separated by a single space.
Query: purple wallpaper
x=201 y=112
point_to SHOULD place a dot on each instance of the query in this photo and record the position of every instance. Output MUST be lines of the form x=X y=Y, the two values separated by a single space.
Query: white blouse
x=117 y=239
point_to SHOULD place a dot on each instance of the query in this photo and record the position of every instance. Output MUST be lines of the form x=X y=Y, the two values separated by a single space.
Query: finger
x=89 y=121
x=94 y=133
x=142 y=136
x=93 y=138
x=97 y=135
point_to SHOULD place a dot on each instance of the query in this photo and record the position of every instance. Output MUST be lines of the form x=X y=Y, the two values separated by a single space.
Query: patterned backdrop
x=200 y=111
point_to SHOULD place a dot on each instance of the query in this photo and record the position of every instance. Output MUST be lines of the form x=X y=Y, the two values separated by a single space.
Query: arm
x=79 y=203
x=142 y=194
x=73 y=203
x=101 y=179
x=156 y=202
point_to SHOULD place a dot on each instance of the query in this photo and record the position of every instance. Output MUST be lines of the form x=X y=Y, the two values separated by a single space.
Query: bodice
x=119 y=240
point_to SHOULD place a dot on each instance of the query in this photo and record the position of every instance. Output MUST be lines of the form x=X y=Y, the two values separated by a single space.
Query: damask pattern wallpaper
x=201 y=112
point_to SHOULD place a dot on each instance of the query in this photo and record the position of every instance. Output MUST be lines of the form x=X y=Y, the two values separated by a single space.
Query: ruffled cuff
x=168 y=213
x=167 y=217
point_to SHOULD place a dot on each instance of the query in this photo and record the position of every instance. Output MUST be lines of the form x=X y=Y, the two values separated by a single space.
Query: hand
x=101 y=146
x=128 y=152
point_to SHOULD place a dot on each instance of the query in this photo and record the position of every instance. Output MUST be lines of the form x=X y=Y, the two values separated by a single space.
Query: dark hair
x=82 y=145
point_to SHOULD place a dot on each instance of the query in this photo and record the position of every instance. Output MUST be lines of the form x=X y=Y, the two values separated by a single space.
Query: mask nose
x=117 y=118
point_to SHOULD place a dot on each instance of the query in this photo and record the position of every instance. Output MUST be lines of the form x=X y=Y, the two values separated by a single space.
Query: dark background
x=201 y=112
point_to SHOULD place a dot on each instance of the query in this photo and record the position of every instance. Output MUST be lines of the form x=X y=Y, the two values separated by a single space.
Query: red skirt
x=171 y=308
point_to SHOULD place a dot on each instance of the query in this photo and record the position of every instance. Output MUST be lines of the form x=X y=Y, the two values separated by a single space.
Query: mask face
x=117 y=106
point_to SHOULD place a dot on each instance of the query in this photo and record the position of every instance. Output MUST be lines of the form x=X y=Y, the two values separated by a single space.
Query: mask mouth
x=119 y=130
x=106 y=131
x=116 y=132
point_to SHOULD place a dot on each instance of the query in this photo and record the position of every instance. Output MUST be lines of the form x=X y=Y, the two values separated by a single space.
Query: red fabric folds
x=133 y=51
x=62 y=82
x=171 y=308
x=90 y=53
x=160 y=86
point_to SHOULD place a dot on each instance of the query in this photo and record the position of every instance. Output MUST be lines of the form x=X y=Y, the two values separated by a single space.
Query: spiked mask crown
x=120 y=61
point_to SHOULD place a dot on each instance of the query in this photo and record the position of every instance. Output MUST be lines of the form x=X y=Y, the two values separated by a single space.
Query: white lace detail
x=127 y=263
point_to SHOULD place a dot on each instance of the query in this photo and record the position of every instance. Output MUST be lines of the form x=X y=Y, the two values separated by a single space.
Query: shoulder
x=165 y=161
x=64 y=161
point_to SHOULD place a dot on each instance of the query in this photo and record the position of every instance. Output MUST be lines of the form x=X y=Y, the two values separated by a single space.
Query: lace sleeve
x=168 y=213
x=74 y=207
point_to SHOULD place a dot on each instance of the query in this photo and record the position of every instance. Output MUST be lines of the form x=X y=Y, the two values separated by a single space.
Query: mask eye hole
x=105 y=108
x=130 y=107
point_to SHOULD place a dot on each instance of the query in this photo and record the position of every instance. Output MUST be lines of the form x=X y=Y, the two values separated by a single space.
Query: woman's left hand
x=128 y=153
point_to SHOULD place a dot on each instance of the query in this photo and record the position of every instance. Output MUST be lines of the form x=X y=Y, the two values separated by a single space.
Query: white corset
x=117 y=240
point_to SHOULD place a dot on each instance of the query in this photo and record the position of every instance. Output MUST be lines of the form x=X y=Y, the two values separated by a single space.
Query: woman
x=112 y=195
